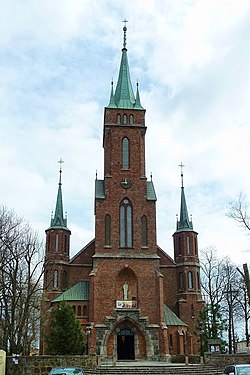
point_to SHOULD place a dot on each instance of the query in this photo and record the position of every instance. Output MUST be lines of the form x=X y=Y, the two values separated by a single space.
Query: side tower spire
x=58 y=220
x=184 y=223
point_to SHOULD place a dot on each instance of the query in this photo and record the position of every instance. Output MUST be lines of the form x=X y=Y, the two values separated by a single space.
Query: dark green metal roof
x=151 y=195
x=78 y=292
x=99 y=189
x=124 y=97
x=58 y=220
x=171 y=319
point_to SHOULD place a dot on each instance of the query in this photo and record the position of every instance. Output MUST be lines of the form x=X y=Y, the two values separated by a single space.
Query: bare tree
x=238 y=209
x=20 y=283
x=213 y=285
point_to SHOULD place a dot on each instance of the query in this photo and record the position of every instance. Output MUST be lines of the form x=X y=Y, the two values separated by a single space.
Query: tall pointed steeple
x=184 y=223
x=58 y=220
x=124 y=97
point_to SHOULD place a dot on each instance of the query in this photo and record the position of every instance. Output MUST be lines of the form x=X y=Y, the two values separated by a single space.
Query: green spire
x=112 y=99
x=137 y=100
x=58 y=219
x=124 y=97
x=184 y=223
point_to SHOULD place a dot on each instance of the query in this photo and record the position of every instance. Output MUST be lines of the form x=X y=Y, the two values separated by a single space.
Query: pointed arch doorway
x=125 y=344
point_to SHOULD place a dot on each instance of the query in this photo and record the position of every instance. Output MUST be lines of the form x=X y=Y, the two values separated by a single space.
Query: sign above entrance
x=126 y=304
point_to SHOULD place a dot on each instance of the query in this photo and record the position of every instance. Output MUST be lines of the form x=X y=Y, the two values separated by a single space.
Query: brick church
x=133 y=300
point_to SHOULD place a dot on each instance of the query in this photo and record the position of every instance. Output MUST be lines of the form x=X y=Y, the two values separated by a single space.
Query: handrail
x=113 y=358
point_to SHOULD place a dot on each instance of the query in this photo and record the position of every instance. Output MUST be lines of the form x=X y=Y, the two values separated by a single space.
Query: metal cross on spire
x=181 y=166
x=60 y=162
x=60 y=171
x=124 y=30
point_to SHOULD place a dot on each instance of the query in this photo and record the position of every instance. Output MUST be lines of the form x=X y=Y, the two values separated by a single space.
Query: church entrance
x=125 y=345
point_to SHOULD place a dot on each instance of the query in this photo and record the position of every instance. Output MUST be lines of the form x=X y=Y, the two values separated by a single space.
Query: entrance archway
x=125 y=345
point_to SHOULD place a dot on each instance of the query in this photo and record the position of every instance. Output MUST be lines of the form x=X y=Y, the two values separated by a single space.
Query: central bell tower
x=125 y=231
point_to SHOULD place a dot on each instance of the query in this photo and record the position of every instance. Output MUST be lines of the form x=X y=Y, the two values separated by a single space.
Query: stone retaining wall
x=40 y=365
x=226 y=359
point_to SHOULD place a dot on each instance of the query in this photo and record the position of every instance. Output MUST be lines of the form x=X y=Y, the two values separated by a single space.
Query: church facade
x=133 y=300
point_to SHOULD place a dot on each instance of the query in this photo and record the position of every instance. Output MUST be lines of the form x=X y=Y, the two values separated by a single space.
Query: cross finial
x=60 y=162
x=181 y=166
x=124 y=30
x=60 y=171
x=125 y=22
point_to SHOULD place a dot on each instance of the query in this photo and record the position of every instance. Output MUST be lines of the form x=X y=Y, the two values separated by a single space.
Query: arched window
x=131 y=119
x=192 y=311
x=190 y=280
x=188 y=245
x=107 y=230
x=65 y=244
x=144 y=231
x=171 y=345
x=64 y=280
x=125 y=120
x=57 y=243
x=84 y=310
x=74 y=308
x=55 y=279
x=79 y=310
x=181 y=280
x=48 y=243
x=198 y=281
x=125 y=153
x=195 y=246
x=126 y=224
x=179 y=245
x=118 y=119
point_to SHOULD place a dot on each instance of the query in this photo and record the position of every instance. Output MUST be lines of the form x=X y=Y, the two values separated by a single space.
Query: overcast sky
x=192 y=61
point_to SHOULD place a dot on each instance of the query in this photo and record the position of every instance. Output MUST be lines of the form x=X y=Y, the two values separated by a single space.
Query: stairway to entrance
x=155 y=368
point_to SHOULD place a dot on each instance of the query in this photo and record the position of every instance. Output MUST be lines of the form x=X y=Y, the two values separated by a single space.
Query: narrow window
x=125 y=153
x=84 y=310
x=131 y=119
x=195 y=246
x=107 y=230
x=190 y=280
x=118 y=119
x=57 y=243
x=188 y=246
x=125 y=119
x=126 y=233
x=64 y=280
x=179 y=245
x=79 y=310
x=55 y=279
x=198 y=281
x=144 y=231
x=192 y=311
x=74 y=308
x=180 y=280
x=48 y=243
x=65 y=244
x=171 y=341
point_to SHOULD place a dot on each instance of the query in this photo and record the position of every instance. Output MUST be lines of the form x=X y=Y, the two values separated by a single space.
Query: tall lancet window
x=144 y=231
x=107 y=230
x=188 y=245
x=126 y=232
x=125 y=153
x=190 y=280
x=55 y=279
x=57 y=243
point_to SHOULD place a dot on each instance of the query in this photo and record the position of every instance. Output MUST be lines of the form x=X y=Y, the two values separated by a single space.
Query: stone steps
x=156 y=370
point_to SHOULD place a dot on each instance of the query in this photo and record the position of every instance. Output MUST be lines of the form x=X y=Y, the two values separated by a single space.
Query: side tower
x=56 y=260
x=188 y=273
x=125 y=279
